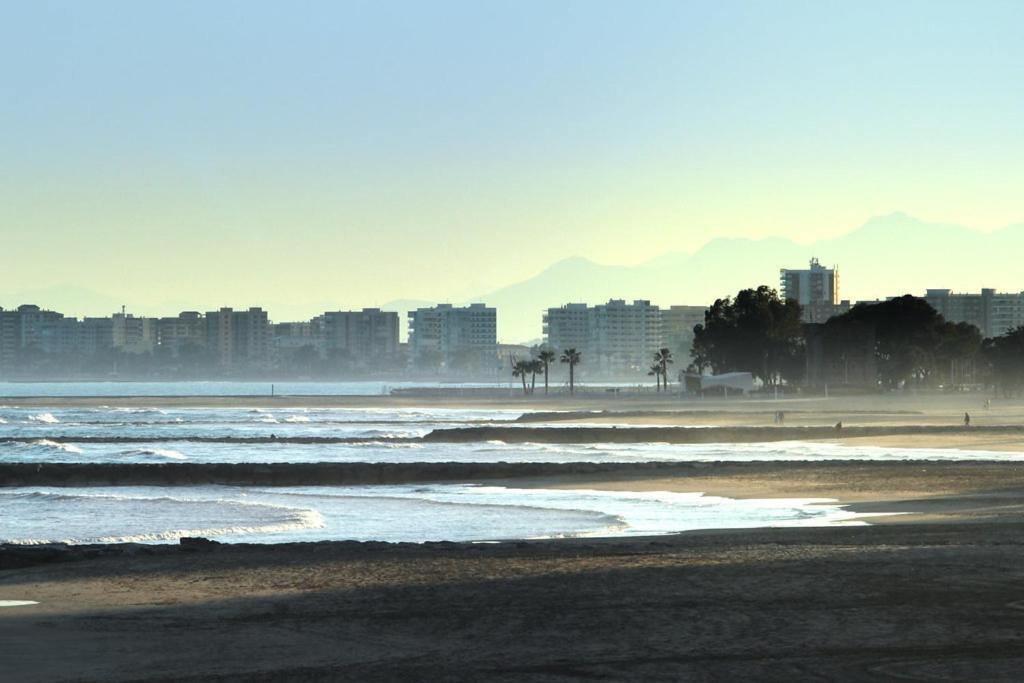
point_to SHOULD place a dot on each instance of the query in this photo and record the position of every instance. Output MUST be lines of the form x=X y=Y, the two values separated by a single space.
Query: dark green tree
x=1005 y=355
x=756 y=332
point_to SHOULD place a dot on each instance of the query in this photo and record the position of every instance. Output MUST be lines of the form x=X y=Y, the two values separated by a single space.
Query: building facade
x=992 y=312
x=459 y=338
x=567 y=327
x=183 y=333
x=677 y=323
x=613 y=337
x=361 y=337
x=239 y=339
x=816 y=289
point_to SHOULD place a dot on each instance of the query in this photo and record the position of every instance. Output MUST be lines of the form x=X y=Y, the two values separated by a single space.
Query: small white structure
x=742 y=382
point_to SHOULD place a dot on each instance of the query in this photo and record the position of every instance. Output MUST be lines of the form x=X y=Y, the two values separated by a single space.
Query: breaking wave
x=159 y=452
x=66 y=447
x=237 y=518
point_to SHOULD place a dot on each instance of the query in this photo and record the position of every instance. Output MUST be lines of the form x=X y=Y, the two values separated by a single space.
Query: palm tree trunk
x=533 y=381
x=545 y=379
x=523 y=377
x=572 y=385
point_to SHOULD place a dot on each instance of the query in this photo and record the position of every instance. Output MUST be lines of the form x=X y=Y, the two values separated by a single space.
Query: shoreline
x=833 y=603
x=950 y=435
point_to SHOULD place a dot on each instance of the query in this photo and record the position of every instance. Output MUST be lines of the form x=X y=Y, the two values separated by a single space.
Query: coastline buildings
x=991 y=312
x=361 y=336
x=183 y=333
x=816 y=289
x=567 y=327
x=133 y=335
x=677 y=323
x=239 y=338
x=456 y=338
x=613 y=337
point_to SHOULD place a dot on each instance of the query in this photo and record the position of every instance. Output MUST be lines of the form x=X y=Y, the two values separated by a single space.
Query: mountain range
x=889 y=255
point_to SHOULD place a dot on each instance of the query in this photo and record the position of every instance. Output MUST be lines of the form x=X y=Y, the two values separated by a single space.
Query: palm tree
x=663 y=358
x=655 y=372
x=535 y=366
x=546 y=356
x=572 y=357
x=520 y=368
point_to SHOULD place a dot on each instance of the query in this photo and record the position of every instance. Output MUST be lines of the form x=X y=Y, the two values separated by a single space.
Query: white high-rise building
x=459 y=337
x=816 y=289
x=613 y=337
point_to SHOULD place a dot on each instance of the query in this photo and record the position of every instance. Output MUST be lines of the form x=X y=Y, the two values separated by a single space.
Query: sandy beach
x=932 y=593
x=929 y=593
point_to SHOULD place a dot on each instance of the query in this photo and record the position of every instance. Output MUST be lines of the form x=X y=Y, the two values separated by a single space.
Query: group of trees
x=913 y=345
x=659 y=368
x=756 y=332
x=540 y=362
x=1005 y=356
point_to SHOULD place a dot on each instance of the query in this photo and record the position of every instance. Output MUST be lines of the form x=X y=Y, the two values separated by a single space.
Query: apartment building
x=677 y=323
x=992 y=312
x=360 y=336
x=457 y=337
x=239 y=338
x=185 y=331
x=613 y=337
x=816 y=289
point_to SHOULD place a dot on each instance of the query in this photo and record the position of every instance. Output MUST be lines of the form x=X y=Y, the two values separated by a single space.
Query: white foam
x=162 y=452
x=45 y=418
x=17 y=603
x=66 y=447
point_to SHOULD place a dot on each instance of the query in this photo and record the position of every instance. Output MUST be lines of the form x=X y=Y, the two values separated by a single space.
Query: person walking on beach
x=967 y=419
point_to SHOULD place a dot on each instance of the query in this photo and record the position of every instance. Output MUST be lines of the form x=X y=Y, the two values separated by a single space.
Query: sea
x=410 y=513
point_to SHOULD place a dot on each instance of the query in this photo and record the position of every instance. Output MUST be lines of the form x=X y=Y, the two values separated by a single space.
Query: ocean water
x=383 y=513
x=166 y=423
x=377 y=435
x=223 y=388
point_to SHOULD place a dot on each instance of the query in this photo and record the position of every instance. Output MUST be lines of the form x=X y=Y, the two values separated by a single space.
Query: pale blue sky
x=233 y=152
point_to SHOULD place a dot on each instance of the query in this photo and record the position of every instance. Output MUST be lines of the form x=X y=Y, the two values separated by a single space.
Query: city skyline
x=717 y=269
x=353 y=154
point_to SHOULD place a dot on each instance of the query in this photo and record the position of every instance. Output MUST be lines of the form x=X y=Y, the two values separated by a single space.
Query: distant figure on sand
x=967 y=419
x=839 y=426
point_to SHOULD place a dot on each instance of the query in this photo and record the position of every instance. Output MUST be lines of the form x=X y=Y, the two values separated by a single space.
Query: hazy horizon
x=356 y=154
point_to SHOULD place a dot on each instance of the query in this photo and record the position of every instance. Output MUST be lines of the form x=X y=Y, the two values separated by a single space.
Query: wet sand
x=937 y=602
x=934 y=595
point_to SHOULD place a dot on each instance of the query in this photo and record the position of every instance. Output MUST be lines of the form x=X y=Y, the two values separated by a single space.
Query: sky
x=345 y=154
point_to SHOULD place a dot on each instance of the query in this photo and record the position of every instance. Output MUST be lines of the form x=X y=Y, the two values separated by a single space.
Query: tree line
x=913 y=345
